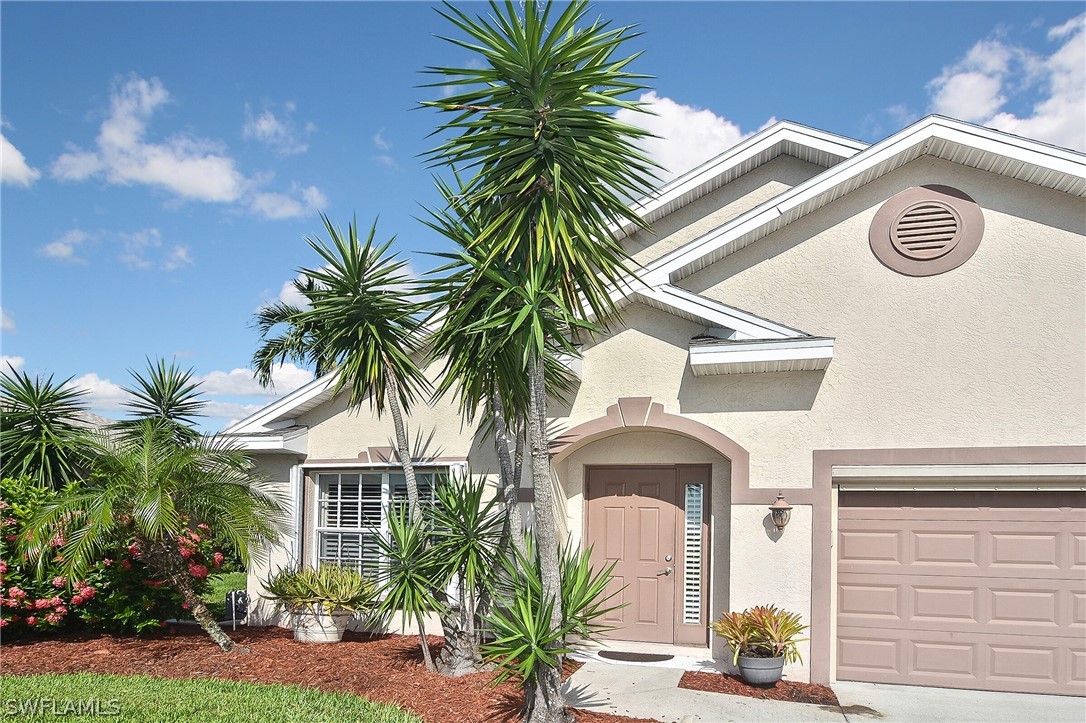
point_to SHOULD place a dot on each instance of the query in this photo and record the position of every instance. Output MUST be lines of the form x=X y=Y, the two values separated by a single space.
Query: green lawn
x=220 y=585
x=138 y=699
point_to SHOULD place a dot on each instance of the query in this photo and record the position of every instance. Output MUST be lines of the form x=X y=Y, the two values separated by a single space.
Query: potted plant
x=321 y=600
x=762 y=640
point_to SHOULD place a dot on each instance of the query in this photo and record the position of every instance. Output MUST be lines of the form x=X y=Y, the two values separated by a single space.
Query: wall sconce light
x=781 y=511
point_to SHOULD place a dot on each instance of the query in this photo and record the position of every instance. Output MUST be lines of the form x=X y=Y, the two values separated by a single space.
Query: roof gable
x=970 y=145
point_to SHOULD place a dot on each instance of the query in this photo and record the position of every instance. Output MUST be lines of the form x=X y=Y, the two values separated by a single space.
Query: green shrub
x=117 y=594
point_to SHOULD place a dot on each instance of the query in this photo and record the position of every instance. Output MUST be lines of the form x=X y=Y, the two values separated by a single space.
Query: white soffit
x=294 y=441
x=761 y=356
x=961 y=477
x=963 y=143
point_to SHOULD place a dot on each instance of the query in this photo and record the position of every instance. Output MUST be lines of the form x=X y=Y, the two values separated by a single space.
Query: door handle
x=666 y=571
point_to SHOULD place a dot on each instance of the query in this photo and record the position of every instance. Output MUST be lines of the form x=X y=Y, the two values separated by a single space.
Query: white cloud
x=380 y=142
x=994 y=73
x=14 y=362
x=289 y=294
x=241 y=382
x=688 y=136
x=188 y=167
x=385 y=158
x=101 y=393
x=144 y=250
x=299 y=202
x=232 y=411
x=6 y=322
x=278 y=132
x=236 y=385
x=14 y=170
x=64 y=248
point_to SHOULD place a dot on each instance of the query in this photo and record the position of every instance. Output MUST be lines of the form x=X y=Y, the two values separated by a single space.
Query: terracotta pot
x=320 y=627
x=761 y=671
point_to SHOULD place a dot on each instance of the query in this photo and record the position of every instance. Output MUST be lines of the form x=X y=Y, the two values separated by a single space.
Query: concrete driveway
x=868 y=702
x=645 y=691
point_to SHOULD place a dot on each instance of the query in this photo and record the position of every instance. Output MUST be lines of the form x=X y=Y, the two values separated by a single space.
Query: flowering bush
x=118 y=594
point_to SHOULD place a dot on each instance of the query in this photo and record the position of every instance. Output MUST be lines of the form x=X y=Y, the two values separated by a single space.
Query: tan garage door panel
x=964 y=590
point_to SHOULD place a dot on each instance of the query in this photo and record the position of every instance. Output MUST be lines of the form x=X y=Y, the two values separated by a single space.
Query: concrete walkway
x=654 y=692
x=647 y=691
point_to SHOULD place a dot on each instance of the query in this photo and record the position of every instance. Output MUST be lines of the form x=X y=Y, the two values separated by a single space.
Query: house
x=892 y=337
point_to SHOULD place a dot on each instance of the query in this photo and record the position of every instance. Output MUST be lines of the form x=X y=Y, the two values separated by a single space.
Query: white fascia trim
x=284 y=444
x=715 y=313
x=761 y=351
x=984 y=140
x=419 y=463
x=776 y=135
x=980 y=477
x=262 y=419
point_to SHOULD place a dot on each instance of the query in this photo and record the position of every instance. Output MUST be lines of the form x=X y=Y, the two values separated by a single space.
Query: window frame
x=320 y=508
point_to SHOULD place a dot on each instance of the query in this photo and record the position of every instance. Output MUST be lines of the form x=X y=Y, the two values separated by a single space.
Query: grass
x=221 y=584
x=137 y=698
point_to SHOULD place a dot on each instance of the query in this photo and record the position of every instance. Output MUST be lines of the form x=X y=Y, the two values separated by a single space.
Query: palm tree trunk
x=204 y=617
x=163 y=559
x=513 y=528
x=403 y=445
x=403 y=450
x=426 y=656
x=546 y=703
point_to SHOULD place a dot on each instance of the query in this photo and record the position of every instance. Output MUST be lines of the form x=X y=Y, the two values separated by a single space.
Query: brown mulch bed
x=383 y=668
x=787 y=690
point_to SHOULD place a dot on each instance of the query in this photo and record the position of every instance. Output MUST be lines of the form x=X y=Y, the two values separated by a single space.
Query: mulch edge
x=821 y=695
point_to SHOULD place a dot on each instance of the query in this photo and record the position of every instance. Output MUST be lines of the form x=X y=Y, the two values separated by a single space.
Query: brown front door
x=631 y=521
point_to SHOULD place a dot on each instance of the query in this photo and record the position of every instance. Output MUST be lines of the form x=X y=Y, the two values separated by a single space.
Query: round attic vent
x=926 y=230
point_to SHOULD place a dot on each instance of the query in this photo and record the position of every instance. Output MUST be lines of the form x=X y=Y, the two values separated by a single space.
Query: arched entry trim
x=643 y=414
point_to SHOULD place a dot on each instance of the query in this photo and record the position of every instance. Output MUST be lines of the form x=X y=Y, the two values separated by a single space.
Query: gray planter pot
x=320 y=627
x=761 y=671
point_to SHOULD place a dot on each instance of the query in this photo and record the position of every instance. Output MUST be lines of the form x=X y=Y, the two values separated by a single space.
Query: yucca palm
x=483 y=363
x=551 y=169
x=148 y=486
x=362 y=322
x=40 y=432
x=166 y=393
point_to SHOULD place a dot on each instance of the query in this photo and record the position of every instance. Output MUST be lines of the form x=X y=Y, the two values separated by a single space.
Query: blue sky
x=163 y=162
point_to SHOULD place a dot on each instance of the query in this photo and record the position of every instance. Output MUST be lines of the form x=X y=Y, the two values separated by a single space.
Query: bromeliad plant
x=761 y=632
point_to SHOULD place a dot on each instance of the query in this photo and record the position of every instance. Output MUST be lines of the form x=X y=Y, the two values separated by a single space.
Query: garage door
x=982 y=590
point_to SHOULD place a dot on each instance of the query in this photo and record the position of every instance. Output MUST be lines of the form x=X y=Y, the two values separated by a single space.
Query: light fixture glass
x=781 y=512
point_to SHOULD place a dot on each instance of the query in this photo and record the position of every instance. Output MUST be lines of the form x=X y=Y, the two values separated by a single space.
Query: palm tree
x=167 y=393
x=483 y=364
x=40 y=432
x=552 y=169
x=361 y=323
x=147 y=485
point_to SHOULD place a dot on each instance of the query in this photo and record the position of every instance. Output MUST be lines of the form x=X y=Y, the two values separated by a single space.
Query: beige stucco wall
x=277 y=469
x=435 y=430
x=723 y=204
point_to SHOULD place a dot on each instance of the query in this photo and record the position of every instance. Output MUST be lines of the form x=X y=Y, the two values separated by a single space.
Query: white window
x=352 y=508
